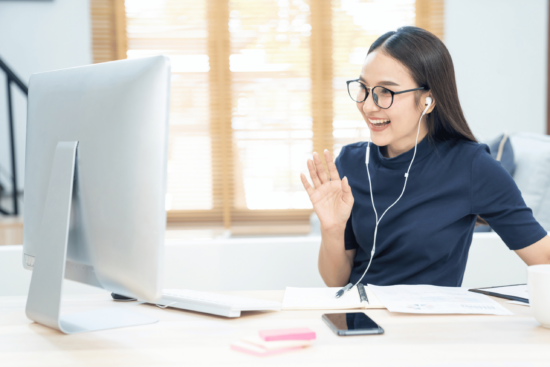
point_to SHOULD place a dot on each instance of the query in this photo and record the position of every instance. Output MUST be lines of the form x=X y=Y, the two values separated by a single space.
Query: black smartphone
x=351 y=323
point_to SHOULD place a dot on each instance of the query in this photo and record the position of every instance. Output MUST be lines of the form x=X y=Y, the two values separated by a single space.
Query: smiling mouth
x=378 y=123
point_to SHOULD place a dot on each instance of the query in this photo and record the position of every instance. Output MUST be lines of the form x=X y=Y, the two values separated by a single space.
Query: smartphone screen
x=351 y=323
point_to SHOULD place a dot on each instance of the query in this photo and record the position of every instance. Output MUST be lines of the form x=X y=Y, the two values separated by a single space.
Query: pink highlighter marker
x=287 y=334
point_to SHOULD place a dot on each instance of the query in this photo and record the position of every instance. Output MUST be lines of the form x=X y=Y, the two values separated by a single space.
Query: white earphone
x=428 y=103
x=350 y=286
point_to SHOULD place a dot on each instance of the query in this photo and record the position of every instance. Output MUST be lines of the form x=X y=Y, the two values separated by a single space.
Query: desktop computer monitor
x=95 y=181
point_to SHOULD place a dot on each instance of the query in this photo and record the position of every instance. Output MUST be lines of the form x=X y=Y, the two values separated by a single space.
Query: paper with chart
x=430 y=299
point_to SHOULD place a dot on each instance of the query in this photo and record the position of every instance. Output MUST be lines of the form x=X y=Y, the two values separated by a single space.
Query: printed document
x=430 y=299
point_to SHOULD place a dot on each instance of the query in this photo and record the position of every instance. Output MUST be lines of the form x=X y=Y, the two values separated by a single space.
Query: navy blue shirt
x=425 y=237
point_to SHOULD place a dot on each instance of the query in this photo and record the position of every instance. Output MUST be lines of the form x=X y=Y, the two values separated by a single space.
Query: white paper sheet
x=429 y=299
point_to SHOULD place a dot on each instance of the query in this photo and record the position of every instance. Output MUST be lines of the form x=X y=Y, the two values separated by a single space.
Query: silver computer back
x=118 y=112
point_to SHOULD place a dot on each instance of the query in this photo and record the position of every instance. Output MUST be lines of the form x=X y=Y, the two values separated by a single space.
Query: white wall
x=38 y=36
x=499 y=50
x=266 y=264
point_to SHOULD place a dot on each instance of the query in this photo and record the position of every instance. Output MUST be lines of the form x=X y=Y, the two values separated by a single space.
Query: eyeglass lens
x=381 y=96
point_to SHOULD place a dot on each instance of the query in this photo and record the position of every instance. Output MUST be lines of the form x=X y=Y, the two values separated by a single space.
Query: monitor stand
x=44 y=300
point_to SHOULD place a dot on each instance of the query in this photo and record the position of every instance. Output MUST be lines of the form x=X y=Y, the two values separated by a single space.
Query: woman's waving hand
x=331 y=197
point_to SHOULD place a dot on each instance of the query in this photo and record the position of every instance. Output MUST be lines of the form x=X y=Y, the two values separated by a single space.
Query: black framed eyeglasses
x=383 y=97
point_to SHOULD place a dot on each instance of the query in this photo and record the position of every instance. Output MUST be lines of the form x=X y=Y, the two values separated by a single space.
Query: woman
x=425 y=237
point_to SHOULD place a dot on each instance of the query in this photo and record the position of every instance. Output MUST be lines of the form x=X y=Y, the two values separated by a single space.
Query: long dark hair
x=431 y=67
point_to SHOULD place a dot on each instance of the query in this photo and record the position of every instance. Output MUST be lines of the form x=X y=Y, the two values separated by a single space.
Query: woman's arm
x=332 y=201
x=335 y=262
x=537 y=253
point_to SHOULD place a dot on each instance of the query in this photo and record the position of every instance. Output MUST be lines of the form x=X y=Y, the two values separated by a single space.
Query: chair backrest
x=532 y=175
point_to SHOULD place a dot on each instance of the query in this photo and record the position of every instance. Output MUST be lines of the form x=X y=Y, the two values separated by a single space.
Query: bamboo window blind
x=108 y=19
x=257 y=86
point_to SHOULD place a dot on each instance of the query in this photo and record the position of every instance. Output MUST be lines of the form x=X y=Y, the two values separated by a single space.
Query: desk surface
x=184 y=338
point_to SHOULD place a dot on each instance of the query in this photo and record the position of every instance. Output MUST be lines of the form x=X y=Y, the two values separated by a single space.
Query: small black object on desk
x=118 y=297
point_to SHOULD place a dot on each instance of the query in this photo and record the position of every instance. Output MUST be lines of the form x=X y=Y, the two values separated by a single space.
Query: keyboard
x=214 y=303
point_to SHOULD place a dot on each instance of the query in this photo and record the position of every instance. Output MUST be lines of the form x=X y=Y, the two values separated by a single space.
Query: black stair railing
x=12 y=78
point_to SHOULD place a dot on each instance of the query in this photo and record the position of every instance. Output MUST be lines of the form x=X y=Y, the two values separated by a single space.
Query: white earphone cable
x=402 y=192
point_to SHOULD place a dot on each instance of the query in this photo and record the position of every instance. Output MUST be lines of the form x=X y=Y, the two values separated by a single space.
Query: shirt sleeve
x=349 y=236
x=350 y=241
x=496 y=198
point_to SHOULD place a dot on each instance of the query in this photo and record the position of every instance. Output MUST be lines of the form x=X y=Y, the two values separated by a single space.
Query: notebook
x=324 y=299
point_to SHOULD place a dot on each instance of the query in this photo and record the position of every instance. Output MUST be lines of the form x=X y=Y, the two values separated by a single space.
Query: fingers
x=317 y=171
x=332 y=170
x=310 y=190
x=322 y=174
x=346 y=191
x=313 y=174
x=345 y=186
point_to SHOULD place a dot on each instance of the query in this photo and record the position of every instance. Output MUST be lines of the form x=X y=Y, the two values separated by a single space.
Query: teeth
x=379 y=122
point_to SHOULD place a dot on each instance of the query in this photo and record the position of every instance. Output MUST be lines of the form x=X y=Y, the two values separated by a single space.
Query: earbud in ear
x=428 y=101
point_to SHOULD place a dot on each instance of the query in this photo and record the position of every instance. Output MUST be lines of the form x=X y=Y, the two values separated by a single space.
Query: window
x=257 y=86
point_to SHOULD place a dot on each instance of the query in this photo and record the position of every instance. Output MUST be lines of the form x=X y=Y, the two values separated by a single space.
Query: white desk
x=183 y=338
